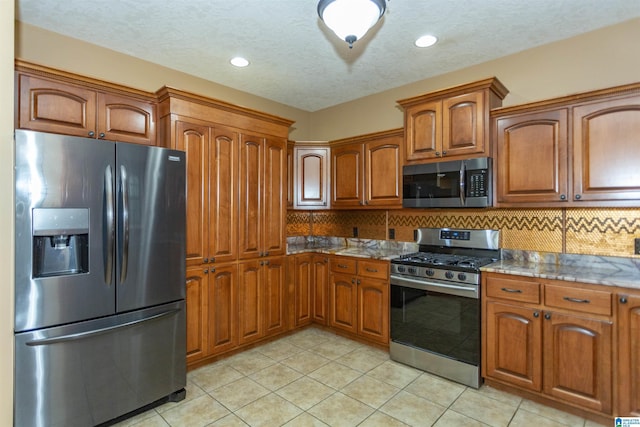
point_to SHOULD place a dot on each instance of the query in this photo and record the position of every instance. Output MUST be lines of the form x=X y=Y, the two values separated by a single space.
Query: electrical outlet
x=392 y=233
x=636 y=246
x=415 y=235
x=355 y=231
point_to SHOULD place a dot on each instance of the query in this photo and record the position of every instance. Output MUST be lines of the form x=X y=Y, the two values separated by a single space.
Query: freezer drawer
x=90 y=372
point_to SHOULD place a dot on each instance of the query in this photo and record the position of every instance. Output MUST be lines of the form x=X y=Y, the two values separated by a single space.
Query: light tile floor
x=315 y=378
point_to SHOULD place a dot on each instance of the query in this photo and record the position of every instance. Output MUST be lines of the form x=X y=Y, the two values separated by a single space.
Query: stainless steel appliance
x=448 y=184
x=100 y=273
x=435 y=302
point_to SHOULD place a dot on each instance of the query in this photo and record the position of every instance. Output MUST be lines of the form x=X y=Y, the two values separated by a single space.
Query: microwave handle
x=463 y=172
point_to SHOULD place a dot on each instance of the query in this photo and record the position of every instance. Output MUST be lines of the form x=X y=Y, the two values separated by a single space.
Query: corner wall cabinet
x=366 y=171
x=236 y=204
x=311 y=176
x=569 y=343
x=585 y=149
x=452 y=122
x=48 y=100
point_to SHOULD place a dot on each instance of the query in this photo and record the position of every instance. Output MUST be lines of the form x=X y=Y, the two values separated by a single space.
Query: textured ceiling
x=295 y=60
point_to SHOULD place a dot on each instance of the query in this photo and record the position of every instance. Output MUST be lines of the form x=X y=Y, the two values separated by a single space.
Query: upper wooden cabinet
x=452 y=122
x=366 y=171
x=263 y=170
x=52 y=101
x=311 y=176
x=580 y=150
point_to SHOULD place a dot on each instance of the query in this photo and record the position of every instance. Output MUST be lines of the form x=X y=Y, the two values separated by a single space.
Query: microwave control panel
x=477 y=183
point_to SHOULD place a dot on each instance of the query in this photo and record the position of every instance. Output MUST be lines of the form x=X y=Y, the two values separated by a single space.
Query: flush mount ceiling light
x=351 y=19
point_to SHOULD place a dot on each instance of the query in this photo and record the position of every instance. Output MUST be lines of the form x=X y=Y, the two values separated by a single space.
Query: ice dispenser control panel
x=60 y=242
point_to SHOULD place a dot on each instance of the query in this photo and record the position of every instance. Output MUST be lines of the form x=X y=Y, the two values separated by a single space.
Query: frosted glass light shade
x=350 y=19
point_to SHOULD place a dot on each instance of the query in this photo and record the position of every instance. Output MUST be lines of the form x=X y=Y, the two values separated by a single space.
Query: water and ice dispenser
x=60 y=242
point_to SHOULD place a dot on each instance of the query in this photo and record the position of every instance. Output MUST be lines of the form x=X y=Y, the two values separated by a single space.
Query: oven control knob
x=462 y=276
x=412 y=270
x=401 y=269
x=430 y=272
x=448 y=275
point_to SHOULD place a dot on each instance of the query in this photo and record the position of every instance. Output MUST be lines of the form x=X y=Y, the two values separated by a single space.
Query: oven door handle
x=463 y=291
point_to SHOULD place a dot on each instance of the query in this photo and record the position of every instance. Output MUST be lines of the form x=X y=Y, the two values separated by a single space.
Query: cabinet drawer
x=584 y=300
x=513 y=290
x=373 y=269
x=343 y=265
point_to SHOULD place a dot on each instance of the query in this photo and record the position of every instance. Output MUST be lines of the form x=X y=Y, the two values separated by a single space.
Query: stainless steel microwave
x=448 y=184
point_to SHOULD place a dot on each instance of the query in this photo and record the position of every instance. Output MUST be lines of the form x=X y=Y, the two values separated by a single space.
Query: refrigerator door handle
x=95 y=332
x=110 y=224
x=125 y=225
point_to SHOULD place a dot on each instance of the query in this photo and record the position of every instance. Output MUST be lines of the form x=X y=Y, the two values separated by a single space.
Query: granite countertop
x=360 y=248
x=599 y=270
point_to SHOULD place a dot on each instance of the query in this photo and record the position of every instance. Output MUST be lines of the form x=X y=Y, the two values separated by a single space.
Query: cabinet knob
x=205 y=271
x=213 y=270
x=547 y=316
x=266 y=262
x=623 y=300
x=563 y=197
x=261 y=262
x=324 y=204
x=353 y=281
x=206 y=260
x=578 y=197
x=358 y=281
x=92 y=133
x=212 y=260
x=536 y=314
x=266 y=253
x=101 y=135
x=437 y=154
x=444 y=153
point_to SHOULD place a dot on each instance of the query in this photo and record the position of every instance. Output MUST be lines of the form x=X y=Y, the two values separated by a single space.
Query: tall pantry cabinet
x=236 y=213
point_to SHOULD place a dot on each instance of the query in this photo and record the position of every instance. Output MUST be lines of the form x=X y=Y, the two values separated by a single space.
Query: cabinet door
x=606 y=150
x=194 y=140
x=196 y=302
x=629 y=356
x=423 y=127
x=537 y=140
x=51 y=106
x=274 y=209
x=273 y=306
x=125 y=119
x=312 y=178
x=463 y=124
x=223 y=195
x=513 y=345
x=320 y=291
x=373 y=310
x=343 y=295
x=577 y=360
x=250 y=302
x=383 y=172
x=303 y=289
x=251 y=175
x=347 y=176
x=222 y=308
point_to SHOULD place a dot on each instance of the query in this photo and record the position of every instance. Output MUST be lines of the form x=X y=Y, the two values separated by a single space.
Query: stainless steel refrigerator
x=100 y=273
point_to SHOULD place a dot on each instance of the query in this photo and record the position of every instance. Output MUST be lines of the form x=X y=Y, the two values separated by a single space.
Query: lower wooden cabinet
x=260 y=298
x=359 y=298
x=303 y=288
x=196 y=302
x=320 y=289
x=551 y=338
x=628 y=311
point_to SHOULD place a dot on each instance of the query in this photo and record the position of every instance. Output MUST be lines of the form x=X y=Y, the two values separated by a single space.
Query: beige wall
x=54 y=50
x=6 y=212
x=599 y=59
x=595 y=60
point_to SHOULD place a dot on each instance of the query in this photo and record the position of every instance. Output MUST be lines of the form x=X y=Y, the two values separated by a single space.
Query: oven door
x=437 y=317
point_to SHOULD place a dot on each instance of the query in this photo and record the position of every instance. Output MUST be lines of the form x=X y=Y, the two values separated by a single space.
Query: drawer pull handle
x=578 y=300
x=342 y=266
x=371 y=270
x=513 y=291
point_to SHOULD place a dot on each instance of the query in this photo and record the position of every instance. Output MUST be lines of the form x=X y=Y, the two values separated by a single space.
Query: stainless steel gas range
x=435 y=302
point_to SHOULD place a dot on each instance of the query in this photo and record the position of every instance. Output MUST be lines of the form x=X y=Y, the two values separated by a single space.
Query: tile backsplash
x=593 y=231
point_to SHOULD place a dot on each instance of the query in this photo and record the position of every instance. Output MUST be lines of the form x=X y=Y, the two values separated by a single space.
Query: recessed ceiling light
x=239 y=62
x=426 y=41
